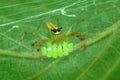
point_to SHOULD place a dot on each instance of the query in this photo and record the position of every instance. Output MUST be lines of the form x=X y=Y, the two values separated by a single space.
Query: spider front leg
x=41 y=43
x=33 y=45
x=80 y=37
x=22 y=36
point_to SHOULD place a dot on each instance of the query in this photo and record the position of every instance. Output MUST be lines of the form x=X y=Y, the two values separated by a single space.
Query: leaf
x=97 y=21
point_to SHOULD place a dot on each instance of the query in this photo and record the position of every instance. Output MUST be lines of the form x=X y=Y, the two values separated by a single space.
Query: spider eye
x=56 y=31
x=59 y=29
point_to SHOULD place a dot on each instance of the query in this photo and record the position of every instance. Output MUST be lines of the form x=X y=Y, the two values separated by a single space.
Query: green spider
x=58 y=45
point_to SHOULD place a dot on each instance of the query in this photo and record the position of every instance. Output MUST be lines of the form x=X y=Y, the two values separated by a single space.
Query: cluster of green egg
x=53 y=50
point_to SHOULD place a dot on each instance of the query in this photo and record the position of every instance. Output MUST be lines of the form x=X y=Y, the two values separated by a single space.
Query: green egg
x=57 y=50
x=44 y=51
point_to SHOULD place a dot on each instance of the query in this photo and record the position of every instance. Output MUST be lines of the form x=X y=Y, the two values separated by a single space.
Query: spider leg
x=79 y=36
x=24 y=34
x=31 y=33
x=41 y=44
x=74 y=24
x=33 y=45
x=38 y=49
x=57 y=21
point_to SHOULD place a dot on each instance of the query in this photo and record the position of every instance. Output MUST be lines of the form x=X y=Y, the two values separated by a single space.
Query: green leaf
x=22 y=23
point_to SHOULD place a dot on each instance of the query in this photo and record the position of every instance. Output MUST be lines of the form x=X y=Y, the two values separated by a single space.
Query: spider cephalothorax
x=53 y=28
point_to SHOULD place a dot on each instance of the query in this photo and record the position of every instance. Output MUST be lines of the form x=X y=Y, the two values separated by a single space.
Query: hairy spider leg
x=31 y=33
x=79 y=36
x=24 y=34
x=74 y=24
x=40 y=44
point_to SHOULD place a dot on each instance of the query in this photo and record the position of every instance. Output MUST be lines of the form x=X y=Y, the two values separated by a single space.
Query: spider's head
x=56 y=30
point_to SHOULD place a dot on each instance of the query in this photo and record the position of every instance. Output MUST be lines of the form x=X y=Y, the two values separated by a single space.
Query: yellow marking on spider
x=51 y=26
